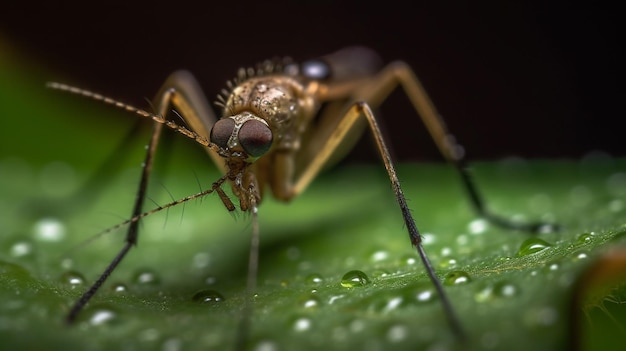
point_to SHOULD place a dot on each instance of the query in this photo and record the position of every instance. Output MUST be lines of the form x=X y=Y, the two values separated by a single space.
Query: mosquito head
x=244 y=135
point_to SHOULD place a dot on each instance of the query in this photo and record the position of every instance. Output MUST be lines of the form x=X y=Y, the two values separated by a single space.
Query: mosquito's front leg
x=182 y=92
x=132 y=233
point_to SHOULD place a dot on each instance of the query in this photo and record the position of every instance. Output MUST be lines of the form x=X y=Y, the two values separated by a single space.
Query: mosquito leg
x=188 y=99
x=342 y=127
x=362 y=109
x=183 y=92
x=400 y=73
x=253 y=268
x=131 y=235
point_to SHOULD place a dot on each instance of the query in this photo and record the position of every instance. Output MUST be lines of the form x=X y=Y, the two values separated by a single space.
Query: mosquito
x=281 y=123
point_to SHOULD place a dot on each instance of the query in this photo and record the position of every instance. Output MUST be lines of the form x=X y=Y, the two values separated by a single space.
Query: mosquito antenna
x=143 y=113
x=78 y=306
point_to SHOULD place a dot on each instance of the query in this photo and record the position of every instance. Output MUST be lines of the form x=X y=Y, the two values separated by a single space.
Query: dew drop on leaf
x=314 y=278
x=380 y=273
x=101 y=316
x=380 y=255
x=425 y=294
x=72 y=278
x=478 y=226
x=354 y=279
x=21 y=248
x=146 y=277
x=311 y=302
x=119 y=288
x=49 y=229
x=397 y=333
x=266 y=345
x=207 y=296
x=496 y=291
x=302 y=324
x=456 y=278
x=531 y=246
x=506 y=290
x=448 y=263
x=584 y=239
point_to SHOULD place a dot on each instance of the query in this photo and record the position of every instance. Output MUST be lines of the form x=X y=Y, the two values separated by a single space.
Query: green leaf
x=183 y=287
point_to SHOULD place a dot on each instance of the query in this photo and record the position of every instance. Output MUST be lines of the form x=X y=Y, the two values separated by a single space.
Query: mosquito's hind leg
x=399 y=73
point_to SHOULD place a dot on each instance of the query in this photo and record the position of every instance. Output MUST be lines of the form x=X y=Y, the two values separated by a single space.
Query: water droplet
x=67 y=263
x=425 y=294
x=428 y=239
x=314 y=279
x=448 y=263
x=478 y=226
x=397 y=333
x=409 y=260
x=49 y=229
x=146 y=277
x=354 y=278
x=494 y=291
x=380 y=273
x=462 y=240
x=456 y=278
x=506 y=290
x=357 y=325
x=207 y=296
x=302 y=324
x=334 y=298
x=446 y=251
x=531 y=246
x=393 y=303
x=119 y=288
x=583 y=239
x=72 y=278
x=266 y=345
x=21 y=248
x=101 y=315
x=311 y=302
x=380 y=255
x=580 y=256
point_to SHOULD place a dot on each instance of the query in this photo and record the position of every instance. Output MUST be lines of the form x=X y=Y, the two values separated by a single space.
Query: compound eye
x=221 y=132
x=255 y=137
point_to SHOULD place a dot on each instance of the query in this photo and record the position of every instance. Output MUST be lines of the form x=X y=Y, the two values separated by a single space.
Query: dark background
x=529 y=79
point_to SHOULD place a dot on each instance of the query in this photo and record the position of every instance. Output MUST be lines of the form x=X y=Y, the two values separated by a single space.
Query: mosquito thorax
x=243 y=132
